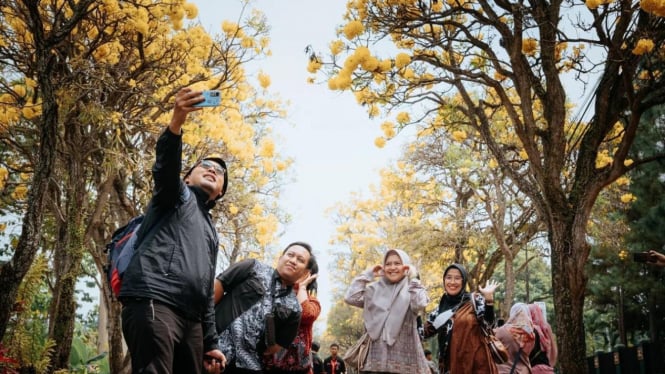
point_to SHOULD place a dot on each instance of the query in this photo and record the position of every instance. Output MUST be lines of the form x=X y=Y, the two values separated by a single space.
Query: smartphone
x=642 y=257
x=210 y=98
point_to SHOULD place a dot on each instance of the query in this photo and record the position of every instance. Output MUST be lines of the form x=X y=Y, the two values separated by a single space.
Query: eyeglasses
x=207 y=164
x=450 y=278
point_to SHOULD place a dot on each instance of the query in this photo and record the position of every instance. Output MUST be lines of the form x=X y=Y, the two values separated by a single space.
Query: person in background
x=257 y=312
x=433 y=367
x=297 y=357
x=544 y=353
x=317 y=363
x=517 y=335
x=391 y=306
x=334 y=364
x=456 y=322
x=168 y=319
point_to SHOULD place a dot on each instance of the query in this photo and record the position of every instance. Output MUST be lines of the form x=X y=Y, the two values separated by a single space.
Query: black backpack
x=119 y=252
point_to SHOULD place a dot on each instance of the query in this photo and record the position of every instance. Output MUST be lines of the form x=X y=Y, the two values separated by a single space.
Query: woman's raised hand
x=377 y=271
x=307 y=279
x=488 y=290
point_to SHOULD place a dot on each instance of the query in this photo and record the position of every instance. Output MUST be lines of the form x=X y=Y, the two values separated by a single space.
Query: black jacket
x=328 y=365
x=175 y=263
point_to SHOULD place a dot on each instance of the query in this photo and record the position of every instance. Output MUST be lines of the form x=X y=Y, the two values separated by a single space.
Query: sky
x=329 y=135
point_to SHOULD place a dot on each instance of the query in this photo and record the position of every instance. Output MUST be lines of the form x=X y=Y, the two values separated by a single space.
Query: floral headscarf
x=544 y=331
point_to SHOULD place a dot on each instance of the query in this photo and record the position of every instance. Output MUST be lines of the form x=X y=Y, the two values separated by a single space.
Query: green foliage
x=27 y=333
x=646 y=215
x=84 y=357
x=534 y=274
x=616 y=280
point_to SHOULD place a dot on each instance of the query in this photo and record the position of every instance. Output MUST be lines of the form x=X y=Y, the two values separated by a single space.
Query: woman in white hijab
x=391 y=306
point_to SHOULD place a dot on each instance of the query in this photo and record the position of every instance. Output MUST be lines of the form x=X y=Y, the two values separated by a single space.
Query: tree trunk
x=102 y=326
x=62 y=321
x=509 y=287
x=117 y=356
x=62 y=314
x=569 y=253
x=12 y=272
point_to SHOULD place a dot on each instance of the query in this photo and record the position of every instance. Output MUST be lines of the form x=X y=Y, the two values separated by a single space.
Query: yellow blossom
x=623 y=181
x=268 y=166
x=229 y=27
x=408 y=74
x=20 y=192
x=603 y=159
x=336 y=47
x=403 y=117
x=388 y=129
x=267 y=148
x=30 y=82
x=380 y=142
x=459 y=135
x=19 y=90
x=373 y=110
x=353 y=29
x=191 y=10
x=343 y=81
x=370 y=63
x=656 y=7
x=529 y=46
x=233 y=209
x=3 y=177
x=559 y=49
x=643 y=46
x=385 y=65
x=401 y=60
x=627 y=162
x=332 y=83
x=264 y=80
x=628 y=198
x=593 y=4
x=351 y=62
x=257 y=210
x=314 y=65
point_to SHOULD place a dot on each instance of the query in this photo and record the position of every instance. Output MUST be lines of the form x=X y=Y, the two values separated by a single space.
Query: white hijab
x=386 y=303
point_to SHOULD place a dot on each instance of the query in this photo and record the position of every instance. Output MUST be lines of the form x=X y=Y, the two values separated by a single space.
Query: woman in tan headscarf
x=517 y=336
x=390 y=308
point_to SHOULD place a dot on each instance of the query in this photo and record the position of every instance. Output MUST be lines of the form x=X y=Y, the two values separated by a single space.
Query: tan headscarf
x=386 y=303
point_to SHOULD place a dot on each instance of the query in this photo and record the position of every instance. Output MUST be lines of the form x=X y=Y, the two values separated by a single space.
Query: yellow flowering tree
x=480 y=59
x=92 y=101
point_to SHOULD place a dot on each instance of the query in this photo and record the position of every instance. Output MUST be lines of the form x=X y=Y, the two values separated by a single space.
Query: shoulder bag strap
x=515 y=359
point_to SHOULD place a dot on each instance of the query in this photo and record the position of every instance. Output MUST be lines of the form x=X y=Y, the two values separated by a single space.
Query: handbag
x=357 y=353
x=497 y=349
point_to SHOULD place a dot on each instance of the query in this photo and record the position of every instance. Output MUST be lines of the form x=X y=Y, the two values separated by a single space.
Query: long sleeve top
x=406 y=354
